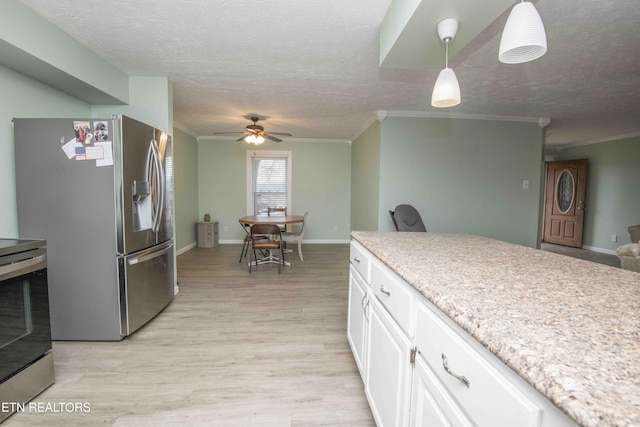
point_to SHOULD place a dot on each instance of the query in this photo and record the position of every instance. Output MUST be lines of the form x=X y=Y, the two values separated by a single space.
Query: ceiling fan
x=255 y=134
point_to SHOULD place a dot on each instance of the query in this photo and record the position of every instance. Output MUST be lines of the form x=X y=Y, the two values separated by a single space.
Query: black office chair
x=407 y=218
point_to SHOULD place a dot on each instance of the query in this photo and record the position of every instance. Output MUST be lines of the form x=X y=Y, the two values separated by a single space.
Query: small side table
x=207 y=234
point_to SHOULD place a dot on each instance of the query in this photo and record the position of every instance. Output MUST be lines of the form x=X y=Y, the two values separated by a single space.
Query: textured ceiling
x=311 y=68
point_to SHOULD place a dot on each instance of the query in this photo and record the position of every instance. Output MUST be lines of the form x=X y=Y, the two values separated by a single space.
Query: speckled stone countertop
x=569 y=327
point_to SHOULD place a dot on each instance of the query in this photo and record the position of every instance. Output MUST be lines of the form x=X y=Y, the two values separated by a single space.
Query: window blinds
x=269 y=183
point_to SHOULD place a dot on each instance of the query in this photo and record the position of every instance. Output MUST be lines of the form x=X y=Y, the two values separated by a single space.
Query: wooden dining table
x=271 y=219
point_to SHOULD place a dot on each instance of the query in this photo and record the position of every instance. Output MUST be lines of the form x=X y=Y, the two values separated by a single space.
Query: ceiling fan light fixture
x=446 y=91
x=254 y=134
x=523 y=38
x=253 y=139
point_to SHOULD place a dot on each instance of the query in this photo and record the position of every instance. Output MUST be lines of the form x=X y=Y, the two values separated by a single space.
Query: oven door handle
x=12 y=270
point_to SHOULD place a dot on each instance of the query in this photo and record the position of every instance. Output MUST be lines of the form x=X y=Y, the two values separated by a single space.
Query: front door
x=564 y=202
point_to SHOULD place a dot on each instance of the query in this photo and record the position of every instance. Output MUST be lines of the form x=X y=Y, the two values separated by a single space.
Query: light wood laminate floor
x=230 y=350
x=599 y=257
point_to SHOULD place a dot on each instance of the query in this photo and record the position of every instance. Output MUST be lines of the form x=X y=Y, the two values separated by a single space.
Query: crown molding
x=541 y=121
x=377 y=116
x=380 y=115
x=185 y=129
x=559 y=147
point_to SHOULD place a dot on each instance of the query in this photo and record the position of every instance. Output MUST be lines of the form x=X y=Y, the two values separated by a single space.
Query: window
x=268 y=181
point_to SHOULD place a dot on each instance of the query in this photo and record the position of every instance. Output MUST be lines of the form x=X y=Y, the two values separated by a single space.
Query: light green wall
x=613 y=198
x=24 y=97
x=463 y=175
x=46 y=73
x=321 y=185
x=150 y=101
x=37 y=48
x=185 y=154
x=365 y=179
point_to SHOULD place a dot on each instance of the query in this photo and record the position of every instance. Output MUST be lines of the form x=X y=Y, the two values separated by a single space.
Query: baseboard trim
x=186 y=248
x=601 y=250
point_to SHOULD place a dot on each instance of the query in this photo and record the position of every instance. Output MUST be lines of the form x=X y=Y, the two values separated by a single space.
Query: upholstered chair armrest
x=629 y=250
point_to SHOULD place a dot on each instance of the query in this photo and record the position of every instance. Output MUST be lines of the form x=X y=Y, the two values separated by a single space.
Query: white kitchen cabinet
x=360 y=260
x=357 y=322
x=395 y=295
x=466 y=377
x=421 y=368
x=388 y=370
x=431 y=405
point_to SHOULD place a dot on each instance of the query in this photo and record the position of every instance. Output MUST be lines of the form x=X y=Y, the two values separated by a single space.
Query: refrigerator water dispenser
x=142 y=206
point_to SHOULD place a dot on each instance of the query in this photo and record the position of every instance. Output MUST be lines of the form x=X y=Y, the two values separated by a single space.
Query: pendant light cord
x=446 y=52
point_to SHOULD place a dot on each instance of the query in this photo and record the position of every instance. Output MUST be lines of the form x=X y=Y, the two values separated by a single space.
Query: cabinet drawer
x=490 y=399
x=360 y=259
x=394 y=295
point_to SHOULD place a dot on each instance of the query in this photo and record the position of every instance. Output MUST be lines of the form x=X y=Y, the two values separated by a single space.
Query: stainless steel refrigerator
x=100 y=192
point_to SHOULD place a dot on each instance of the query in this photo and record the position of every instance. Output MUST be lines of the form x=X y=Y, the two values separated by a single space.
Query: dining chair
x=265 y=237
x=278 y=211
x=247 y=240
x=296 y=237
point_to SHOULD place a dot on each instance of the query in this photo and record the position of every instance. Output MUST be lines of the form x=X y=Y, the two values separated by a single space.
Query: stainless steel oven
x=26 y=361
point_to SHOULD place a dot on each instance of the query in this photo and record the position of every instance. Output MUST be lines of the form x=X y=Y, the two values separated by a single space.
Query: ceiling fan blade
x=273 y=138
x=280 y=133
x=255 y=131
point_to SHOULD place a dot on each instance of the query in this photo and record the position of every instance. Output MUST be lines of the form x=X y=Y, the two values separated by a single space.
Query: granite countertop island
x=569 y=327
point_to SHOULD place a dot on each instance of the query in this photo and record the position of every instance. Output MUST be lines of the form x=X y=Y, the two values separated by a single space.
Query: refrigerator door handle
x=151 y=254
x=149 y=177
x=158 y=188
x=155 y=177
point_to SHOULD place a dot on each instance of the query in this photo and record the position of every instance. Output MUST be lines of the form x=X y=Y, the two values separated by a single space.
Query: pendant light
x=523 y=38
x=446 y=91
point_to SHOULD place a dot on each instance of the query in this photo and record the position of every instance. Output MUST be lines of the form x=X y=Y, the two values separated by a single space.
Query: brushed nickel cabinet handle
x=462 y=378
x=387 y=293
x=365 y=303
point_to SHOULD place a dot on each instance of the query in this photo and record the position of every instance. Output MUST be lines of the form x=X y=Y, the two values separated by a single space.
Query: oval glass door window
x=565 y=191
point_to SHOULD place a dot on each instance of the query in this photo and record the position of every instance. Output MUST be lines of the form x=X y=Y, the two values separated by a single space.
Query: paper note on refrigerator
x=107 y=157
x=69 y=148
